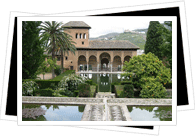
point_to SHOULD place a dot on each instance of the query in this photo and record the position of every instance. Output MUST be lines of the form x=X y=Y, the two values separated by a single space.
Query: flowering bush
x=70 y=83
x=28 y=87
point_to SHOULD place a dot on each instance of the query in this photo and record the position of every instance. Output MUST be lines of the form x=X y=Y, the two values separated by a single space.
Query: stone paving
x=105 y=107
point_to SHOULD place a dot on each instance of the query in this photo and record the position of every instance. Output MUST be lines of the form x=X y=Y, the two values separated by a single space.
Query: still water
x=32 y=112
x=150 y=113
x=103 y=80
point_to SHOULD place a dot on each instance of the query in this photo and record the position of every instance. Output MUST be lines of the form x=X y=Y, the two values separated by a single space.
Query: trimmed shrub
x=129 y=91
x=84 y=90
x=152 y=89
x=113 y=86
x=57 y=70
x=93 y=90
x=118 y=90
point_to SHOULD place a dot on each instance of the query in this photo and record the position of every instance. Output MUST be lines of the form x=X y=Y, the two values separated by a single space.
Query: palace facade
x=95 y=55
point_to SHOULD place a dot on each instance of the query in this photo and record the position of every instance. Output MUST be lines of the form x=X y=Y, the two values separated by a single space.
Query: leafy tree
x=154 y=39
x=145 y=66
x=47 y=66
x=32 y=49
x=57 y=39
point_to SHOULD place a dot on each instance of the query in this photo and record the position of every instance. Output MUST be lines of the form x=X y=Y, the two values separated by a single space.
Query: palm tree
x=66 y=47
x=56 y=39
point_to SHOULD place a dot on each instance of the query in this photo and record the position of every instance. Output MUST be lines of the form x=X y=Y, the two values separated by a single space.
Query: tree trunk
x=62 y=62
x=53 y=57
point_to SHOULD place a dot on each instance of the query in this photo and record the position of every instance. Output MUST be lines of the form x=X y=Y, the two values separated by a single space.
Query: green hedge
x=43 y=84
x=126 y=82
x=44 y=92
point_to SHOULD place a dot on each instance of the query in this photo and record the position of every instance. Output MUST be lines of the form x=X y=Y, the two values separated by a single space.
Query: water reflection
x=52 y=112
x=150 y=113
x=103 y=80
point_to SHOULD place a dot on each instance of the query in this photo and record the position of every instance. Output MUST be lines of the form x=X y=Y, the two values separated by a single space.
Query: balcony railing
x=95 y=69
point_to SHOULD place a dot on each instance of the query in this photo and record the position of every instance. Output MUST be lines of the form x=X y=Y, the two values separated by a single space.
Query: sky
x=105 y=25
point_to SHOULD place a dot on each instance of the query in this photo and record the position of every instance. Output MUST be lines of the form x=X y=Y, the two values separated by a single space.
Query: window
x=84 y=36
x=58 y=58
x=82 y=43
x=80 y=36
x=77 y=36
x=66 y=57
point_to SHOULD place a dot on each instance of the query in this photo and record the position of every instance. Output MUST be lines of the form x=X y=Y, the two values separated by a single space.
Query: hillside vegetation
x=135 y=38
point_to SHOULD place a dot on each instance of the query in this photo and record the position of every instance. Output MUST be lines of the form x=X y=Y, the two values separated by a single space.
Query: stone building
x=95 y=55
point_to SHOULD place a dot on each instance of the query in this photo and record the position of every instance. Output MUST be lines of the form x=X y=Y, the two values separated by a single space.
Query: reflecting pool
x=150 y=113
x=103 y=80
x=32 y=112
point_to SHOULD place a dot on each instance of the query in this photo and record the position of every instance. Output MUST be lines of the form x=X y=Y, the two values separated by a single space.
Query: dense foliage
x=154 y=39
x=32 y=49
x=145 y=66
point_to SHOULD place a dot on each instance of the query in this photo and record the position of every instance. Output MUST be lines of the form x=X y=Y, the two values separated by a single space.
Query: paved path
x=105 y=107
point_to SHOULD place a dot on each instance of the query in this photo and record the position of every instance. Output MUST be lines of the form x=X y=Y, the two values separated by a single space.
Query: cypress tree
x=154 y=39
x=32 y=49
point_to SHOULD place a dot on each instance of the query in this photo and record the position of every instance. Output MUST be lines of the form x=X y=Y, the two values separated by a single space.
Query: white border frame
x=93 y=12
x=7 y=65
x=151 y=18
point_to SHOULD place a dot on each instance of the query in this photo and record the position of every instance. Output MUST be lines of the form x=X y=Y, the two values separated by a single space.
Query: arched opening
x=105 y=62
x=93 y=63
x=117 y=64
x=82 y=63
x=127 y=58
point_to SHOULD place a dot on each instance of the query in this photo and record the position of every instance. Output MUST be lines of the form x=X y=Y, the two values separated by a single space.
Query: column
x=87 y=67
x=77 y=69
x=97 y=66
x=111 y=66
x=122 y=66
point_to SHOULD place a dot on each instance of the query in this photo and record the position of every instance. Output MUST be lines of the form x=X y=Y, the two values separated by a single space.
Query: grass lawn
x=67 y=72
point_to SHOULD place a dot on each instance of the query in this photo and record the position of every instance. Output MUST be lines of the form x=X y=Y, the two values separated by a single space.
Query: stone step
x=105 y=95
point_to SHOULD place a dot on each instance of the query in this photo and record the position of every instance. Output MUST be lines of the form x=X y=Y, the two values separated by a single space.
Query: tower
x=79 y=31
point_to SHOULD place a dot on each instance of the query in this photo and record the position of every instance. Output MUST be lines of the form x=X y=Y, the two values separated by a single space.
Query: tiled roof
x=77 y=24
x=111 y=44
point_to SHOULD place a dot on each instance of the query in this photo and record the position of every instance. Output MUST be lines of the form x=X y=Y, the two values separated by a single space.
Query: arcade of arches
x=96 y=61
